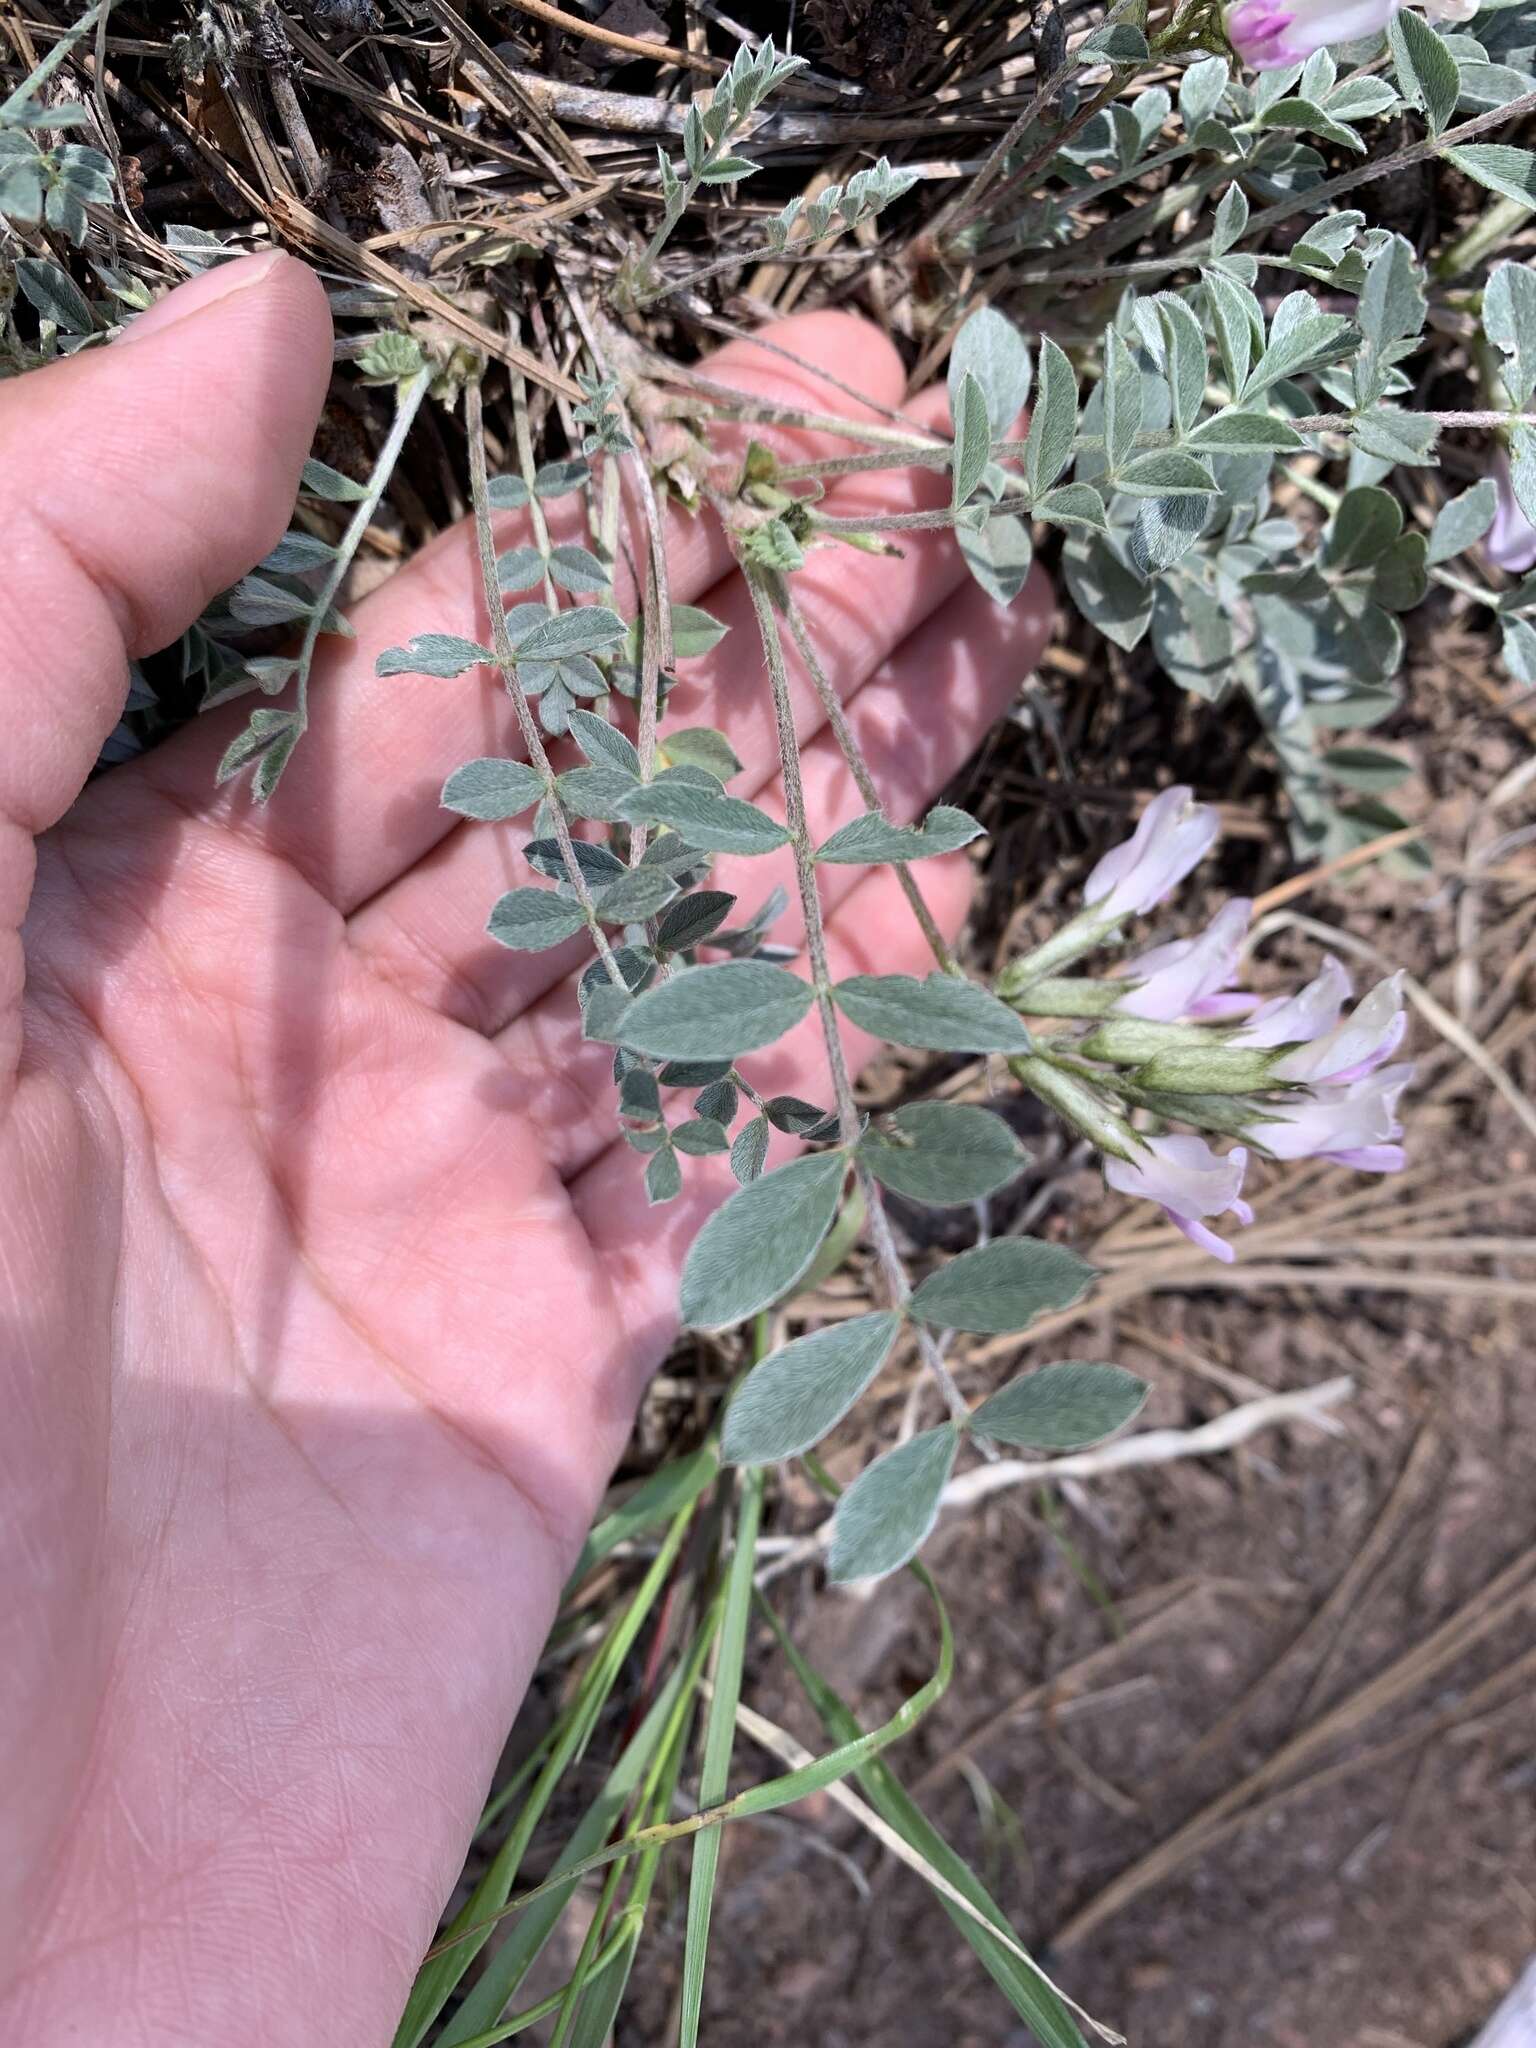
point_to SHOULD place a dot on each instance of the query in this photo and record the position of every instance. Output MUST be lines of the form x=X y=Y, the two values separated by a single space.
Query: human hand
x=326 y=1292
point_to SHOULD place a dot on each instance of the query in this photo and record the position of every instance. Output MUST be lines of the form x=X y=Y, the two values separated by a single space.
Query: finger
x=427 y=930
x=139 y=481
x=360 y=798
x=641 y=1249
x=973 y=654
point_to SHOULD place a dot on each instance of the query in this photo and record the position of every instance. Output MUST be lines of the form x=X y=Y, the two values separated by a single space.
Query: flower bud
x=1210 y=1069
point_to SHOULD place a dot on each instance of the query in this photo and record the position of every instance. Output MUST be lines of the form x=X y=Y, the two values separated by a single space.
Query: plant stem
x=506 y=661
x=853 y=754
x=883 y=1243
x=407 y=405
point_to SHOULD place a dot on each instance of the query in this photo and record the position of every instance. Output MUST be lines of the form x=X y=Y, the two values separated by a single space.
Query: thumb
x=140 y=480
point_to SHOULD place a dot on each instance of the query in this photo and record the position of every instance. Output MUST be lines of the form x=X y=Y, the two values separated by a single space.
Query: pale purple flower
x=1270 y=34
x=1511 y=541
x=1172 y=834
x=1289 y=1020
x=1178 y=979
x=1364 y=1041
x=1355 y=1124
x=1188 y=1181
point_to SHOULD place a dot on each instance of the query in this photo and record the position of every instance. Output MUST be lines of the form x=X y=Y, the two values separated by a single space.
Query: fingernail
x=198 y=293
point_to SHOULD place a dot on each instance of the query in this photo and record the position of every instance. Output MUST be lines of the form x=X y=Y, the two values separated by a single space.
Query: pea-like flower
x=1511 y=541
x=1352 y=1125
x=1287 y=1020
x=1172 y=834
x=1364 y=1041
x=1188 y=1181
x=1270 y=34
x=1182 y=978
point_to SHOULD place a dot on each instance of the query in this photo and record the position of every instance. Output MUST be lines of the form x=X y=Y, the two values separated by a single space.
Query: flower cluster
x=1302 y=1076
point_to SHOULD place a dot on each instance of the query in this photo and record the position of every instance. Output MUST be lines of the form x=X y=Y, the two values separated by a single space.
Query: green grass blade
x=719 y=1738
x=665 y=1493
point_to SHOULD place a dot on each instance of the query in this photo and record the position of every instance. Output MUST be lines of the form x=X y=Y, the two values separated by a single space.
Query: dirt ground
x=1322 y=1642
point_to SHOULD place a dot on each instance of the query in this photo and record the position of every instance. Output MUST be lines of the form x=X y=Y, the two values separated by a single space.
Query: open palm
x=325 y=1293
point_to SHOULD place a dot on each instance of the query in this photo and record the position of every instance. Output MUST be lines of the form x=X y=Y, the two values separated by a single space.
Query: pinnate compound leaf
x=805 y=1388
x=1002 y=1286
x=433 y=654
x=754 y=1249
x=717 y=1012
x=941 y=1014
x=531 y=920
x=1061 y=1407
x=886 y=1514
x=873 y=838
x=942 y=1152
x=492 y=789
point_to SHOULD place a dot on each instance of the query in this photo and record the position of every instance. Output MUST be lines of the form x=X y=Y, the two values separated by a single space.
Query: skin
x=326 y=1293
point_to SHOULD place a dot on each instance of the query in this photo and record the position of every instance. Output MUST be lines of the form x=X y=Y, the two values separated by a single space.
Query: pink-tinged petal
x=1371 y=1158
x=1222 y=1009
x=1511 y=541
x=1200 y=1234
x=1288 y=1020
x=1328 y=1121
x=1188 y=1181
x=1355 y=1047
x=1172 y=834
x=1198 y=968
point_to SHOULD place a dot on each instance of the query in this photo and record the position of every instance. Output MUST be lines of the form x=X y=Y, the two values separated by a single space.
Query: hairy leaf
x=1003 y=1285
x=717 y=1012
x=886 y=1514
x=1061 y=1407
x=942 y=1152
x=802 y=1390
x=754 y=1249
x=941 y=1014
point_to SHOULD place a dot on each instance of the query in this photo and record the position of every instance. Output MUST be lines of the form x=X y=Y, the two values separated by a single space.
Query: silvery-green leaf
x=64 y=211
x=21 y=191
x=716 y=1012
x=1231 y=219
x=1401 y=438
x=693 y=1073
x=584 y=629
x=799 y=1119
x=1274 y=85
x=694 y=632
x=887 y=1513
x=690 y=922
x=257 y=601
x=705 y=818
x=998 y=555
x=506 y=493
x=596 y=790
x=1365 y=524
x=1073 y=505
x=636 y=896
x=700 y=1137
x=750 y=1150
x=271 y=735
x=1185 y=353
x=1425 y=68
x=1061 y=1407
x=321 y=481
x=991 y=349
x=1366 y=768
x=973 y=440
x=433 y=654
x=1003 y=1285
x=519 y=569
x=725 y=170
x=1105 y=592
x=597 y=864
x=639 y=1095
x=577 y=570
x=1519 y=649
x=663 y=1177
x=1164 y=531
x=1117 y=42
x=752 y=1251
x=1201 y=87
x=555 y=479
x=492 y=789
x=296 y=553
x=1461 y=522
x=1234 y=314
x=873 y=838
x=1509 y=321
x=1053 y=424
x=1319 y=339
x=1121 y=388
x=1399 y=577
x=805 y=1388
x=651 y=1139
x=1522 y=469
x=941 y=1014
x=603 y=744
x=51 y=289
x=719 y=1103
x=942 y=1152
x=1307 y=117
x=1166 y=473
x=530 y=920
x=700 y=746
x=1243 y=433
x=1499 y=166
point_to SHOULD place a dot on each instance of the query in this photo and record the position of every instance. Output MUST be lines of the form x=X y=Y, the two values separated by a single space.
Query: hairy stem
x=506 y=661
